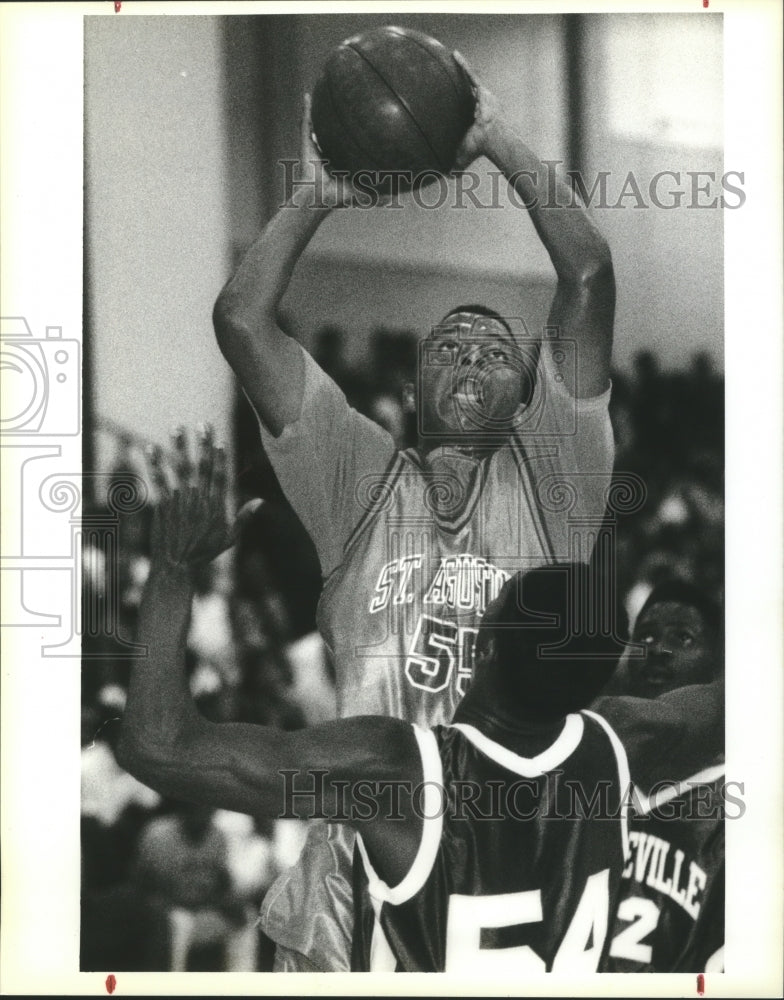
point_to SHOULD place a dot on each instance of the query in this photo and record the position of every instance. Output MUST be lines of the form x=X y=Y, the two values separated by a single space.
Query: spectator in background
x=116 y=929
x=114 y=805
x=182 y=871
x=702 y=404
x=669 y=429
x=649 y=406
x=393 y=359
x=262 y=628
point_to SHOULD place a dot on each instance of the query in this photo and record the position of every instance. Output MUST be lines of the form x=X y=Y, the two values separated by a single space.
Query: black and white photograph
x=392 y=540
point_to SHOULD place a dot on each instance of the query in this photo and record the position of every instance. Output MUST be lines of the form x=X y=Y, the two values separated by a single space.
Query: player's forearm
x=159 y=709
x=165 y=742
x=577 y=249
x=671 y=737
x=251 y=297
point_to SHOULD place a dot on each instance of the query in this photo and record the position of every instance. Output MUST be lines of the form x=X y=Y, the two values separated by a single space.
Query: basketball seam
x=349 y=131
x=402 y=100
x=440 y=65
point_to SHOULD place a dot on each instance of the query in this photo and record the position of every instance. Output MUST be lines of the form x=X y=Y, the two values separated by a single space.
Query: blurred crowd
x=168 y=886
x=669 y=431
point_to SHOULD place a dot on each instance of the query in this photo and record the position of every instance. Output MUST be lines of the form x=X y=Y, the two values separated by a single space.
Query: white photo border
x=42 y=176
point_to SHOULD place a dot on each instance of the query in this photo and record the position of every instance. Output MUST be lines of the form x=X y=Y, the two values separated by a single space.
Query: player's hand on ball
x=190 y=525
x=334 y=191
x=474 y=142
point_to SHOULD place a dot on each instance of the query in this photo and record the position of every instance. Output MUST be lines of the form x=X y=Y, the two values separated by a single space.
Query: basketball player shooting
x=524 y=772
x=413 y=545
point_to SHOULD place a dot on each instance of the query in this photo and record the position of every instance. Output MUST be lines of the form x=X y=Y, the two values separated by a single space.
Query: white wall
x=656 y=104
x=157 y=225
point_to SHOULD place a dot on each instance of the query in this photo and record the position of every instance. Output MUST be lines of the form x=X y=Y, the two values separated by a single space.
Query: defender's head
x=551 y=639
x=680 y=628
x=473 y=376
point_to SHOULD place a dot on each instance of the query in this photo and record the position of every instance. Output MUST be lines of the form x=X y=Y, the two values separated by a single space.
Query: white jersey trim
x=529 y=767
x=627 y=795
x=646 y=804
x=433 y=806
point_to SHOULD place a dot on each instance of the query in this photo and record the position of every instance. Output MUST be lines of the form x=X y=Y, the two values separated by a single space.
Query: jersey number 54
x=579 y=951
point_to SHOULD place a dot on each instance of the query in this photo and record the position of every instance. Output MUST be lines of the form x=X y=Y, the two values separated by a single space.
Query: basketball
x=391 y=100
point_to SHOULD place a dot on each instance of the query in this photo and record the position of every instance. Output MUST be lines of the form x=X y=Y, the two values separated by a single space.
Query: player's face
x=678 y=650
x=472 y=380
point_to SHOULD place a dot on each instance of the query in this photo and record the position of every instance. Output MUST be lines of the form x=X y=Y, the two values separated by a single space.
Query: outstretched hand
x=474 y=142
x=190 y=525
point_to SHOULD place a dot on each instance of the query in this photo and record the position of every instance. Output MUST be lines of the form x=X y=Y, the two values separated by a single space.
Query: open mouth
x=468 y=392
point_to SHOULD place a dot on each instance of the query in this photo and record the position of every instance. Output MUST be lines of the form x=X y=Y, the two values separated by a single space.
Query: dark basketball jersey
x=671 y=914
x=523 y=880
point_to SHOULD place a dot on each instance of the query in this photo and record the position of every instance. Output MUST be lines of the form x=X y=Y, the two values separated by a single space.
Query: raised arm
x=669 y=738
x=267 y=362
x=165 y=741
x=583 y=308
